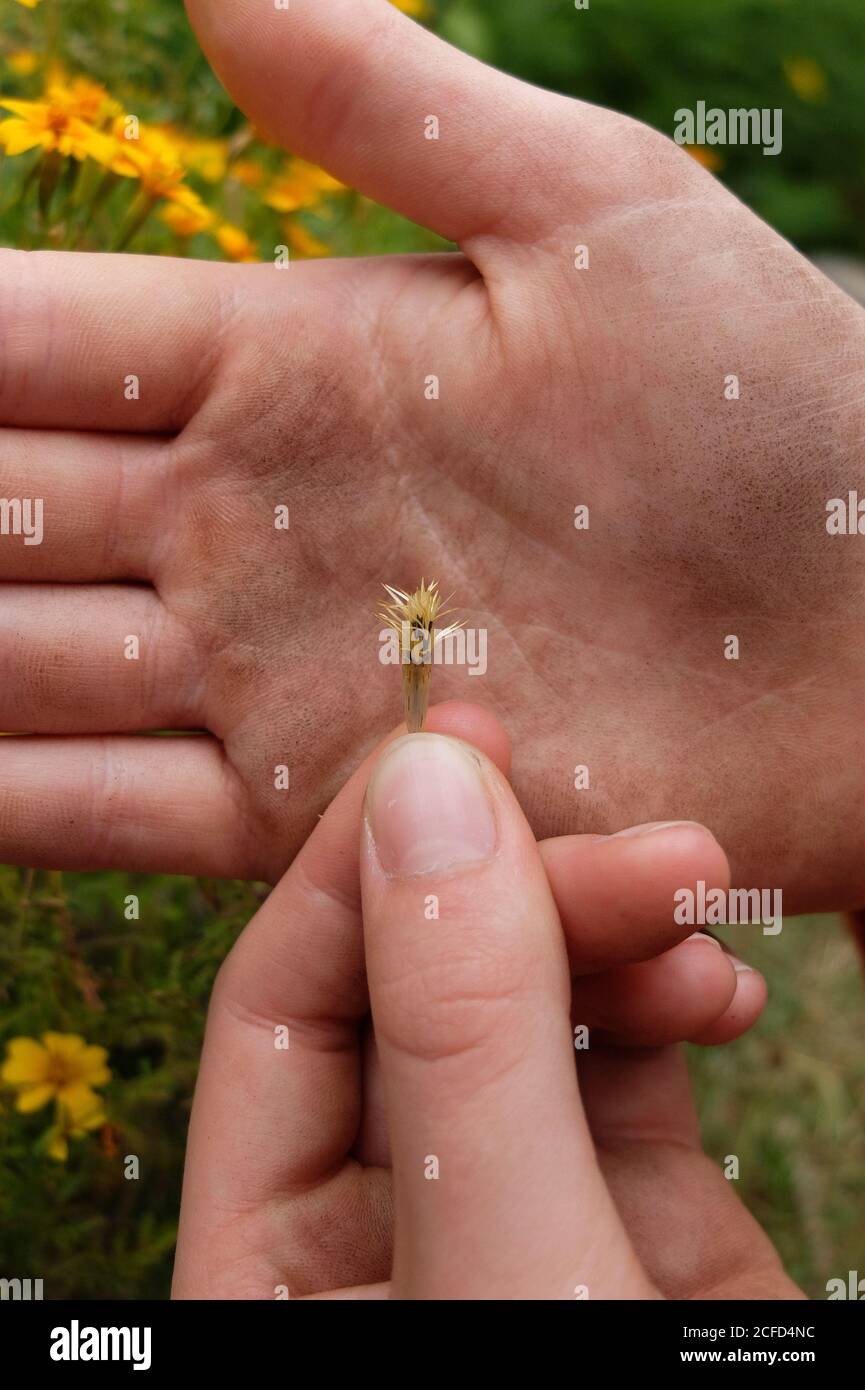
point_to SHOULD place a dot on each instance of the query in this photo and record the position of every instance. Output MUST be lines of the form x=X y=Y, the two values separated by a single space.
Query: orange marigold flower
x=152 y=157
x=235 y=243
x=302 y=185
x=303 y=242
x=186 y=221
x=48 y=125
x=82 y=98
x=209 y=158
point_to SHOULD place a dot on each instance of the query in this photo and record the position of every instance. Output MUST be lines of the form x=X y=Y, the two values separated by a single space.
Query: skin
x=602 y=387
x=540 y=1191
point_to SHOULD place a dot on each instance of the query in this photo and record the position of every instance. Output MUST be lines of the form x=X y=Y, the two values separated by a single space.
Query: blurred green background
x=789 y=1100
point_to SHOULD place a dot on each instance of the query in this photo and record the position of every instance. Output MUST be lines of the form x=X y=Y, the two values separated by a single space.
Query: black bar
x=255 y=1339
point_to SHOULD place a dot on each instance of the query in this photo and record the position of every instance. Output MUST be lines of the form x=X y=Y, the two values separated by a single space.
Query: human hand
x=557 y=388
x=288 y=1188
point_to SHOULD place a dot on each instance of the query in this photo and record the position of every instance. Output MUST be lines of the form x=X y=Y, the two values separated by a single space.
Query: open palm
x=558 y=387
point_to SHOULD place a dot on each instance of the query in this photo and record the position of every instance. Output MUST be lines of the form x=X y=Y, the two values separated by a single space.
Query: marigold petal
x=235 y=243
x=186 y=222
x=77 y=1099
x=184 y=196
x=93 y=1068
x=34 y=1097
x=87 y=142
x=304 y=243
x=17 y=137
x=27 y=109
x=57 y=1146
x=65 y=1045
x=26 y=1062
x=93 y=1119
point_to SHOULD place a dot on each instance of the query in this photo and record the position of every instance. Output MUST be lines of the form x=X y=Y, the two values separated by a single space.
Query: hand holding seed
x=456 y=1156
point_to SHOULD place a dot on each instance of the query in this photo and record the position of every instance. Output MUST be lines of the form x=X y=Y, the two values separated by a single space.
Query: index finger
x=124 y=344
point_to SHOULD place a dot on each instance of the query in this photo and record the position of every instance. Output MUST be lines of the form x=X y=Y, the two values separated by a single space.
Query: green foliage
x=147 y=58
x=648 y=58
x=789 y=1099
x=70 y=961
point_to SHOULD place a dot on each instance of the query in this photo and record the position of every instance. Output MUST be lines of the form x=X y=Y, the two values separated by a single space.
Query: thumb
x=496 y=1186
x=391 y=110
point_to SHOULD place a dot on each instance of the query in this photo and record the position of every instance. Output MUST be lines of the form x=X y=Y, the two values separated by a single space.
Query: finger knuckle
x=446 y=1008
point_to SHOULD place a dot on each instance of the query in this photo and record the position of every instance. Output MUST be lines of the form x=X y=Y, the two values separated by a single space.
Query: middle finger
x=93 y=659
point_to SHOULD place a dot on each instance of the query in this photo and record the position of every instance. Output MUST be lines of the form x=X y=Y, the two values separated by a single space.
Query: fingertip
x=475 y=725
x=618 y=896
x=654 y=1003
x=672 y=852
x=741 y=1013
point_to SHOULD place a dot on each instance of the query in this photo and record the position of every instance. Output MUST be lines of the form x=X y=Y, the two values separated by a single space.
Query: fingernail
x=428 y=807
x=651 y=826
x=739 y=965
x=704 y=936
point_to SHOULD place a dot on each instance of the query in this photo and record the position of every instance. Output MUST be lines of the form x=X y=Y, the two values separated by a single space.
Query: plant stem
x=140 y=211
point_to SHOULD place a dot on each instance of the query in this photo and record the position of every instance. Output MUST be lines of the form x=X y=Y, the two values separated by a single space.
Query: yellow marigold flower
x=153 y=159
x=23 y=61
x=806 y=77
x=175 y=193
x=303 y=242
x=235 y=243
x=73 y=1122
x=186 y=221
x=149 y=152
x=30 y=4
x=89 y=101
x=418 y=9
x=61 y=1067
x=301 y=186
x=209 y=158
x=48 y=125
